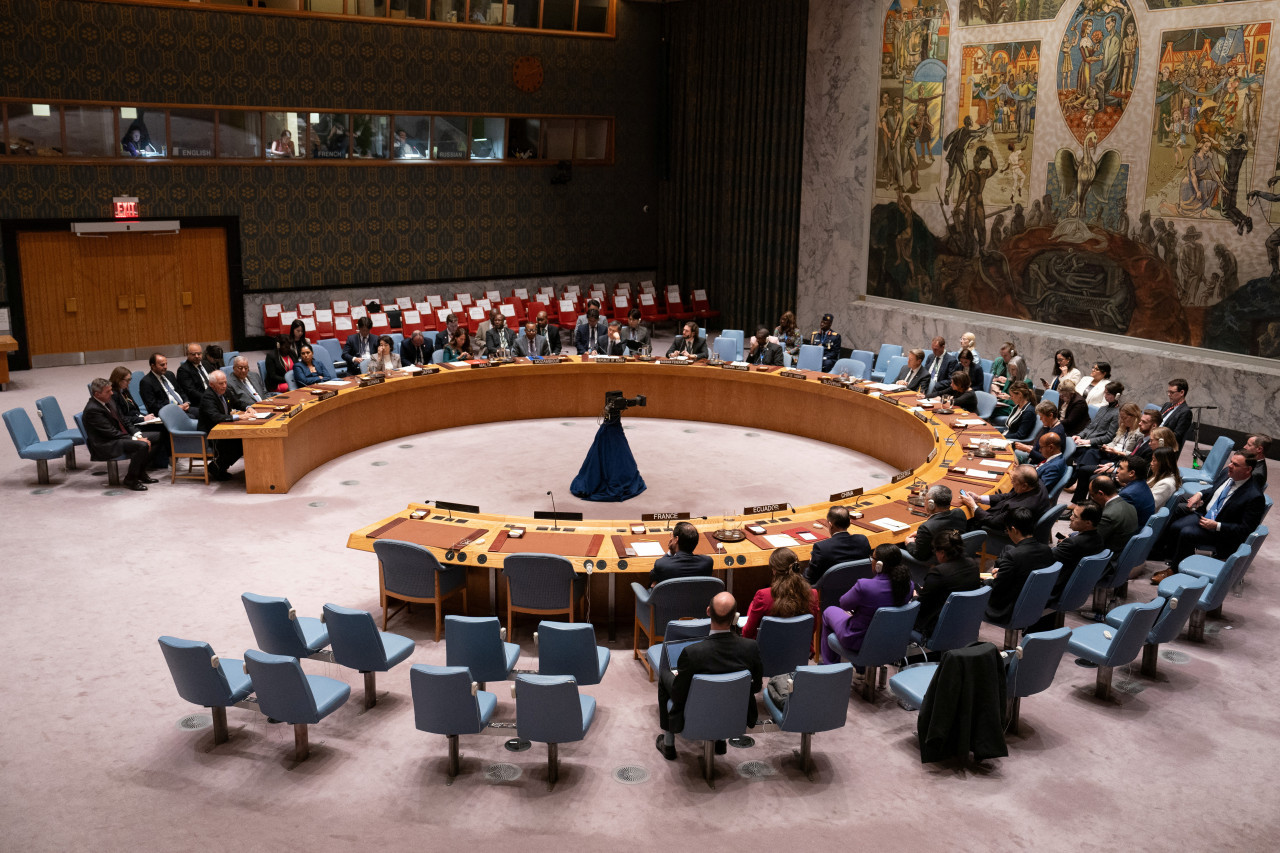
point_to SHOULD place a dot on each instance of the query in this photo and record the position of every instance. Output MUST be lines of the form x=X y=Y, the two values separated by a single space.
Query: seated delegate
x=889 y=586
x=788 y=593
x=305 y=372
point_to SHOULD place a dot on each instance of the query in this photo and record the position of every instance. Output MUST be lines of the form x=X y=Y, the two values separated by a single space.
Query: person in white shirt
x=1094 y=387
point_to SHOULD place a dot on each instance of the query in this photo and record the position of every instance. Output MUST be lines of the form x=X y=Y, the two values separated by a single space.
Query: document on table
x=995 y=463
x=970 y=422
x=648 y=549
x=781 y=540
x=980 y=474
x=332 y=383
x=891 y=524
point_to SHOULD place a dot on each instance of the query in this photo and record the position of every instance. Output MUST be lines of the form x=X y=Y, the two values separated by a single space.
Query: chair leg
x=1059 y=619
x=439 y=618
x=709 y=762
x=806 y=758
x=301 y=745
x=219 y=725
x=1150 y=659
x=1103 y=687
x=453 y=755
x=1010 y=638
x=370 y=690
x=1099 y=600
x=42 y=471
x=869 y=683
x=1015 y=708
x=1195 y=625
x=71 y=460
x=113 y=473
x=553 y=764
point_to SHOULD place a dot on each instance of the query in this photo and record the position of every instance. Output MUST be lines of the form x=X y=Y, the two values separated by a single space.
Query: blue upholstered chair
x=447 y=702
x=1032 y=667
x=412 y=574
x=677 y=598
x=1134 y=554
x=986 y=404
x=279 y=630
x=113 y=465
x=229 y=356
x=856 y=368
x=135 y=388
x=785 y=643
x=477 y=642
x=1080 y=585
x=333 y=355
x=1109 y=646
x=287 y=694
x=1068 y=474
x=1177 y=610
x=187 y=442
x=839 y=579
x=1051 y=396
x=1031 y=603
x=203 y=679
x=883 y=371
x=571 y=650
x=1214 y=462
x=359 y=645
x=1221 y=576
x=726 y=349
x=810 y=357
x=29 y=445
x=885 y=643
x=958 y=622
x=738 y=339
x=819 y=702
x=55 y=426
x=714 y=711
x=543 y=584
x=891 y=370
x=550 y=710
x=679 y=629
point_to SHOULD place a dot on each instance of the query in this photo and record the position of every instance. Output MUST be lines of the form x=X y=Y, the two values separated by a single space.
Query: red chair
x=464 y=299
x=324 y=322
x=271 y=320
x=343 y=327
x=435 y=301
x=306 y=309
x=309 y=323
x=475 y=316
x=411 y=321
x=428 y=315
x=621 y=307
x=441 y=322
x=675 y=307
x=702 y=307
x=649 y=310
x=404 y=303
x=381 y=325
x=358 y=311
x=518 y=304
x=493 y=296
x=286 y=320
x=340 y=308
x=509 y=311
x=567 y=314
x=521 y=293
x=456 y=307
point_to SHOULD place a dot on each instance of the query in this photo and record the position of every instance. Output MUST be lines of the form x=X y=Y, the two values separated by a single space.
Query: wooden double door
x=107 y=294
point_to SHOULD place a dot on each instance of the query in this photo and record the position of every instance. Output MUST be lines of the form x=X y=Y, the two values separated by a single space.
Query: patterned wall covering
x=316 y=226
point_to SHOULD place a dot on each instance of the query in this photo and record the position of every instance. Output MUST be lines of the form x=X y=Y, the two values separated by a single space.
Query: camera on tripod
x=615 y=403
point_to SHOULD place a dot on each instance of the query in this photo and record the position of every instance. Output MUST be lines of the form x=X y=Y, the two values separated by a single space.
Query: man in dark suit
x=954 y=573
x=590 y=336
x=939 y=366
x=913 y=376
x=842 y=547
x=1131 y=474
x=359 y=347
x=1258 y=445
x=762 y=351
x=193 y=376
x=107 y=438
x=159 y=388
x=499 y=337
x=216 y=408
x=937 y=502
x=244 y=387
x=1015 y=564
x=1053 y=467
x=1175 y=414
x=550 y=331
x=1220 y=517
x=680 y=561
x=689 y=343
x=635 y=334
x=613 y=343
x=1119 y=519
x=1084 y=541
x=722 y=651
x=530 y=344
x=416 y=349
x=1027 y=492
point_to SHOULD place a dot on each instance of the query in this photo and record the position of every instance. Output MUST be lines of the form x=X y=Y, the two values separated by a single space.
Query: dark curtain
x=729 y=213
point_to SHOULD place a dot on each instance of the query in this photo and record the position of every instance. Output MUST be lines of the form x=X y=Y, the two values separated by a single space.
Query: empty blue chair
x=1133 y=555
x=135 y=389
x=571 y=650
x=958 y=622
x=883 y=371
x=680 y=629
x=677 y=598
x=819 y=702
x=333 y=355
x=1220 y=582
x=1051 y=396
x=855 y=368
x=986 y=404
x=412 y=574
x=287 y=694
x=550 y=710
x=1109 y=646
x=714 y=711
x=892 y=370
x=726 y=349
x=187 y=442
x=1080 y=585
x=839 y=579
x=544 y=584
x=864 y=355
x=885 y=643
x=1178 y=607
x=1068 y=474
x=1214 y=462
x=785 y=643
x=476 y=642
x=55 y=426
x=359 y=645
x=203 y=679
x=738 y=339
x=1157 y=522
x=1068 y=449
x=229 y=356
x=279 y=630
x=810 y=357
x=29 y=445
x=447 y=702
x=1031 y=668
x=1031 y=603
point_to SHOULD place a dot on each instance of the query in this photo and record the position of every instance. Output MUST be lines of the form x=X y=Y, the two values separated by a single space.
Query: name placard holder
x=846 y=494
x=902 y=475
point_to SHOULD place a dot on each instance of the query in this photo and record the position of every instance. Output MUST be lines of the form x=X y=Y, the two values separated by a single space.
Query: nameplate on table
x=426 y=371
x=736 y=365
x=664 y=516
x=477 y=363
x=608 y=359
x=901 y=475
x=549 y=359
x=372 y=379
x=835 y=381
x=932 y=453
x=763 y=508
x=846 y=494
x=678 y=361
x=323 y=395
x=921 y=416
x=792 y=374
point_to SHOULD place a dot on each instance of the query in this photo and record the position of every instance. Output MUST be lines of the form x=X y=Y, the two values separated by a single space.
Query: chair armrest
x=642 y=594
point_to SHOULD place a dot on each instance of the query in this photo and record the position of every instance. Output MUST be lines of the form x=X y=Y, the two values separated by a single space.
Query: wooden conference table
x=281 y=450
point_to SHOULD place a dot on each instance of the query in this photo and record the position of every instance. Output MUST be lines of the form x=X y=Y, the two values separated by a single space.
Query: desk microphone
x=555 y=519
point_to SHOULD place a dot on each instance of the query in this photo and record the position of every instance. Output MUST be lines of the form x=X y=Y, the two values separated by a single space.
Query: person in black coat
x=416 y=349
x=680 y=561
x=359 y=348
x=159 y=388
x=550 y=331
x=842 y=547
x=763 y=352
x=216 y=408
x=913 y=376
x=1220 y=517
x=954 y=573
x=969 y=363
x=1258 y=444
x=942 y=516
x=722 y=651
x=1027 y=492
x=1084 y=541
x=591 y=336
x=960 y=392
x=1022 y=420
x=279 y=366
x=689 y=343
x=1015 y=564
x=193 y=377
x=134 y=421
x=107 y=438
x=1175 y=414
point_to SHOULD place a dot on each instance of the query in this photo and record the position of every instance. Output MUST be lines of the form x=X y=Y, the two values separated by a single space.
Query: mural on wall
x=1208 y=103
x=980 y=13
x=998 y=100
x=1097 y=66
x=1157 y=5
x=913 y=74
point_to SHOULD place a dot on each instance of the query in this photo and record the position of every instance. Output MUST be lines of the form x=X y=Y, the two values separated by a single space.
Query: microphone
x=555 y=519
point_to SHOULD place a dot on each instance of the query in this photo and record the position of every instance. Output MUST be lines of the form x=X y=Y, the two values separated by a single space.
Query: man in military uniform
x=829 y=341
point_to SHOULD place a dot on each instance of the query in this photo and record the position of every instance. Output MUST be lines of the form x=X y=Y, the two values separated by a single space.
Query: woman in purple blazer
x=890 y=586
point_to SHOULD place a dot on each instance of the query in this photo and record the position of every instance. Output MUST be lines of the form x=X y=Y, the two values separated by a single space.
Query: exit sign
x=124 y=207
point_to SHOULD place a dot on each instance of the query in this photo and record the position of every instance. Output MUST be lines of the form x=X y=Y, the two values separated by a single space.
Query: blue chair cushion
x=588 y=711
x=510 y=653
x=912 y=683
x=1171 y=584
x=1088 y=641
x=487 y=702
x=314 y=632
x=395 y=647
x=329 y=694
x=70 y=434
x=54 y=449
x=237 y=679
x=1201 y=566
x=1116 y=616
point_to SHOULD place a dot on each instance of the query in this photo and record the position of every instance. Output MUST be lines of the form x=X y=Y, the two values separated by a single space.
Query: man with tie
x=613 y=343
x=499 y=338
x=107 y=438
x=550 y=331
x=635 y=334
x=689 y=343
x=216 y=408
x=1220 y=517
x=762 y=351
x=245 y=388
x=416 y=350
x=159 y=388
x=841 y=547
x=913 y=376
x=1176 y=414
x=589 y=336
x=531 y=344
x=829 y=341
x=360 y=347
x=193 y=376
x=939 y=366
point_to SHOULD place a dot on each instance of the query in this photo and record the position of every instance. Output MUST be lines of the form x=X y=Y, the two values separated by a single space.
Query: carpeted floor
x=93 y=757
